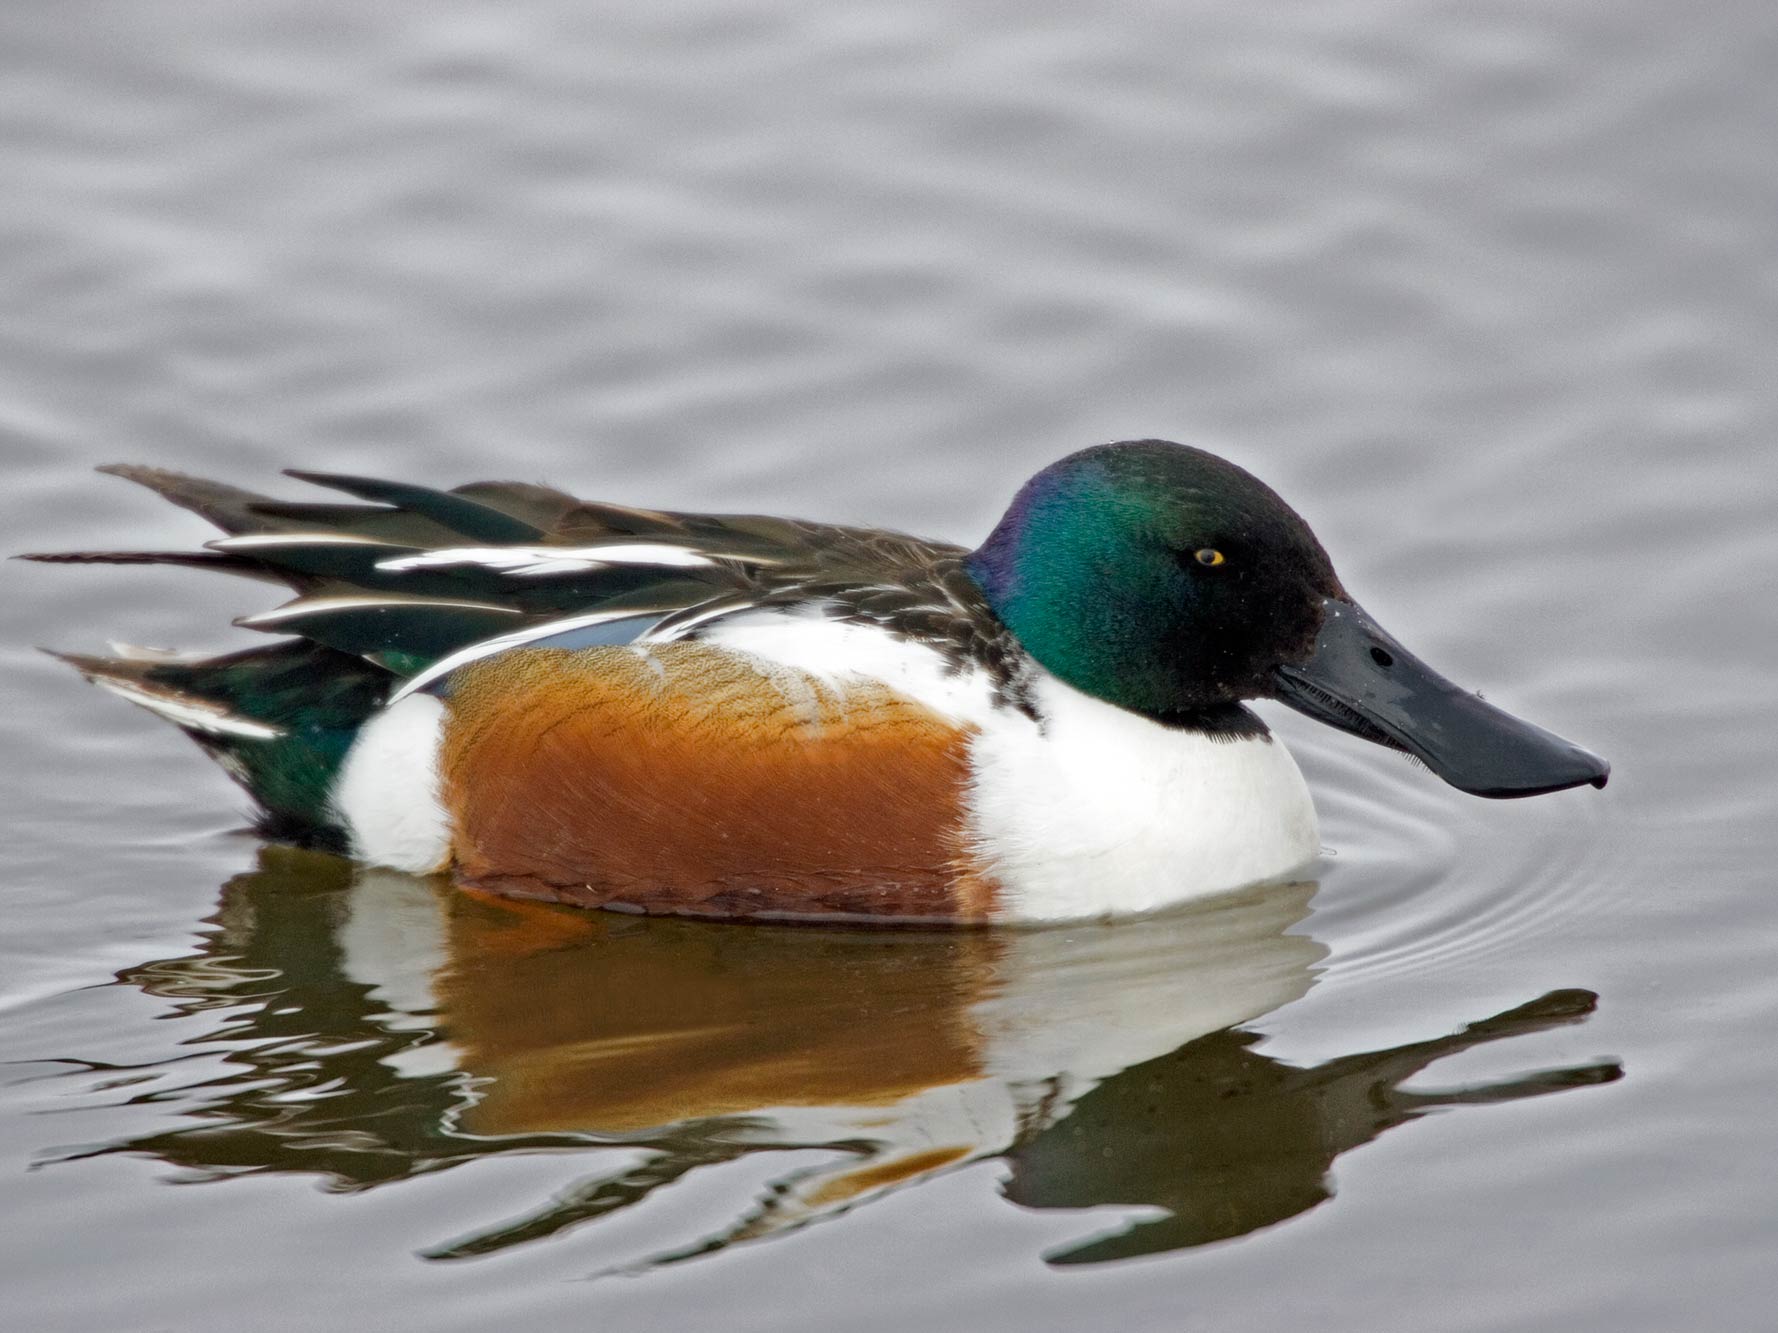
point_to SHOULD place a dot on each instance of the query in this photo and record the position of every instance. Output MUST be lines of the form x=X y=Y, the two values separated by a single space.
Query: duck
x=757 y=718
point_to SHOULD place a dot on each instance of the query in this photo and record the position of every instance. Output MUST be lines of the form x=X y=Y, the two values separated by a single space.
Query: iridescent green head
x=1156 y=577
x=1166 y=581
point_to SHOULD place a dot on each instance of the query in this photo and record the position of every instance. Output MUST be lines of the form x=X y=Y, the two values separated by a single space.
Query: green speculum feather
x=403 y=664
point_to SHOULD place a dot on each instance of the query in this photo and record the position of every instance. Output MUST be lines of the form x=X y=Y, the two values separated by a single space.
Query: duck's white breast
x=1099 y=812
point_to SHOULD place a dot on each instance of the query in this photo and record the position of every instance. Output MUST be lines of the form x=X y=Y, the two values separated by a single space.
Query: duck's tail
x=387 y=586
x=278 y=719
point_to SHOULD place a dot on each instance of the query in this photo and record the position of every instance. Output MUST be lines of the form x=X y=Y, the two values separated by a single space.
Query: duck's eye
x=1209 y=556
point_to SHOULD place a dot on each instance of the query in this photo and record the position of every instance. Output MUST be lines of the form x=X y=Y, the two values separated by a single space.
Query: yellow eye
x=1209 y=556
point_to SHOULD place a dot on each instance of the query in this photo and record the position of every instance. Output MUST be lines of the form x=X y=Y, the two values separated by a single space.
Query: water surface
x=1487 y=291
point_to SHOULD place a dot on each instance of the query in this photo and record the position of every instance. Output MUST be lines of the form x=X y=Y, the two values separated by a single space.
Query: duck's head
x=1172 y=583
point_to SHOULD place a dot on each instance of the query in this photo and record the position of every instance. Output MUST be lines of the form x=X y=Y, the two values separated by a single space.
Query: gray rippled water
x=1488 y=291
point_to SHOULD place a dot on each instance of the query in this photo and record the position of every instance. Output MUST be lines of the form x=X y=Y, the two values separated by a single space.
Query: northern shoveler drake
x=750 y=717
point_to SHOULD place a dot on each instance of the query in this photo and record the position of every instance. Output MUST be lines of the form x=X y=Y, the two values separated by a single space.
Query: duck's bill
x=1362 y=681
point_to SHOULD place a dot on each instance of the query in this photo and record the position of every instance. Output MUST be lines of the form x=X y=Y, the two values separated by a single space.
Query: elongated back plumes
x=397 y=587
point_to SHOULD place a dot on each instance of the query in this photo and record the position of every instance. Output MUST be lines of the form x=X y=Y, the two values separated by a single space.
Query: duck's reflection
x=377 y=1027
